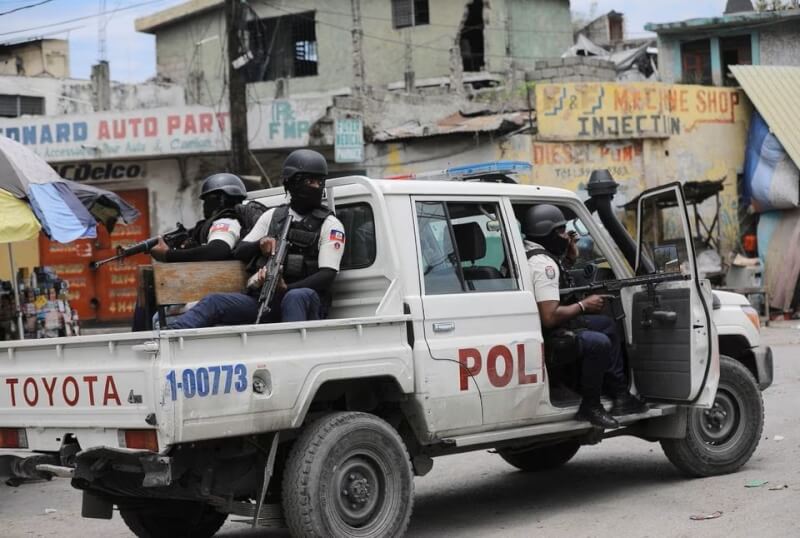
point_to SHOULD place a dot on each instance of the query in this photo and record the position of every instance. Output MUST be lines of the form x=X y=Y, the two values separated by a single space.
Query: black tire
x=720 y=440
x=348 y=475
x=164 y=519
x=541 y=458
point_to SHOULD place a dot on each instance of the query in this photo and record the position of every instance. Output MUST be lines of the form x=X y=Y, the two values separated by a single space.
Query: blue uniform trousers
x=602 y=361
x=300 y=304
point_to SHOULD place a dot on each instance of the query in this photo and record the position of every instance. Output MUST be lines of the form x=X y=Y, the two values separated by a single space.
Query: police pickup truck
x=433 y=347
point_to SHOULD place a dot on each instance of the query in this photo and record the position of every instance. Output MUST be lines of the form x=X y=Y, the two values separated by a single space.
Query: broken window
x=283 y=47
x=735 y=51
x=407 y=13
x=13 y=106
x=471 y=38
x=696 y=60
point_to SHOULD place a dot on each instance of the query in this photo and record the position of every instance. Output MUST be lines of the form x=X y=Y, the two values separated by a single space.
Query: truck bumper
x=763 y=358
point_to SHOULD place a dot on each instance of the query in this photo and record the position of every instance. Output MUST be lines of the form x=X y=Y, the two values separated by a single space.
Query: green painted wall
x=539 y=29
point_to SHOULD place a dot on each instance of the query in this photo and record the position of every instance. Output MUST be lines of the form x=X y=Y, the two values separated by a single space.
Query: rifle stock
x=273 y=270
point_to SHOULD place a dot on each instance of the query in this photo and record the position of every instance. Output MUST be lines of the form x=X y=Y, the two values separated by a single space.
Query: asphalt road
x=622 y=487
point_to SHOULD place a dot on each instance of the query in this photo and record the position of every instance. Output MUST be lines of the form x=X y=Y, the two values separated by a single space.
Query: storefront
x=155 y=159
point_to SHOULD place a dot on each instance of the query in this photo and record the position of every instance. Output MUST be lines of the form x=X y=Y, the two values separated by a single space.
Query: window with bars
x=12 y=106
x=407 y=13
x=283 y=47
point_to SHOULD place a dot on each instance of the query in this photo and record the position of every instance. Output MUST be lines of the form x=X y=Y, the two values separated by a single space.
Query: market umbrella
x=105 y=206
x=17 y=223
x=28 y=177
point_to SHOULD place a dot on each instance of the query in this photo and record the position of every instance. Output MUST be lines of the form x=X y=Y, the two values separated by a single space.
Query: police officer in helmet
x=316 y=244
x=214 y=237
x=550 y=249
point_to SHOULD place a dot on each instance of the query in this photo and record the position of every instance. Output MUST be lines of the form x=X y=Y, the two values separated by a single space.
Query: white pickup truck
x=433 y=347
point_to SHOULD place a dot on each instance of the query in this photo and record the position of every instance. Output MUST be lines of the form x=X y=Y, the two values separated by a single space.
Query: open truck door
x=672 y=340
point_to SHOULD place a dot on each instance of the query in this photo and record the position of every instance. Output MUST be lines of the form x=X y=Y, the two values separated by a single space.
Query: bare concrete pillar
x=101 y=86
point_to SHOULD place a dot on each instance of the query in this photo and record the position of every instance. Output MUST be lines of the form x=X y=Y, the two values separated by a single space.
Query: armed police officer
x=549 y=247
x=225 y=220
x=316 y=244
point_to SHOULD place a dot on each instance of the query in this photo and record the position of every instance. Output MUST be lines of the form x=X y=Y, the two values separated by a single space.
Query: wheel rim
x=360 y=485
x=723 y=424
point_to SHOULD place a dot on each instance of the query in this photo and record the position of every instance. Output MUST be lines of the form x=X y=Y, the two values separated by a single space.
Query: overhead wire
x=93 y=15
x=20 y=8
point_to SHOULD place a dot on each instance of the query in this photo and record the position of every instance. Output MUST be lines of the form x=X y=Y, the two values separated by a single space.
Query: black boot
x=627 y=404
x=598 y=416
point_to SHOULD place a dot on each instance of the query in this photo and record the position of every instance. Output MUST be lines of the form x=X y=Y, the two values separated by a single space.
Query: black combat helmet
x=230 y=184
x=306 y=162
x=542 y=219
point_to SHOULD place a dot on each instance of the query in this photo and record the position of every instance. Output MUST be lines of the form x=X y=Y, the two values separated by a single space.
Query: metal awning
x=775 y=92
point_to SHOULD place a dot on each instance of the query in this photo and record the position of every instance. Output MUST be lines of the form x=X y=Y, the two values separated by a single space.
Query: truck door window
x=359 y=229
x=662 y=239
x=463 y=248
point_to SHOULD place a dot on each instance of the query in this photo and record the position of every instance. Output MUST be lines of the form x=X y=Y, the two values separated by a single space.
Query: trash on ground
x=755 y=483
x=701 y=517
x=50 y=510
x=777 y=488
x=779 y=437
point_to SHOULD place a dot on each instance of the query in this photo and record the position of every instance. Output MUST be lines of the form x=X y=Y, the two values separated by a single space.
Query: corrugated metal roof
x=726 y=21
x=775 y=92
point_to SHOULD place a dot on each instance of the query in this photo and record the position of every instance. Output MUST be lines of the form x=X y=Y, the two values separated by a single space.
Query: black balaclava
x=304 y=197
x=554 y=243
x=215 y=202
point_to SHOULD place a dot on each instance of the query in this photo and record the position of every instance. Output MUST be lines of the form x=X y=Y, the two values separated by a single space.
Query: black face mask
x=305 y=197
x=212 y=204
x=555 y=244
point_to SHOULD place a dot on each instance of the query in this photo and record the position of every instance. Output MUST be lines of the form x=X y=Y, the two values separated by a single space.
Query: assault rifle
x=610 y=287
x=273 y=270
x=175 y=239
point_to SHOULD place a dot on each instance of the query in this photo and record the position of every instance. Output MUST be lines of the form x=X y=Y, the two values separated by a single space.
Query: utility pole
x=357 y=35
x=237 y=90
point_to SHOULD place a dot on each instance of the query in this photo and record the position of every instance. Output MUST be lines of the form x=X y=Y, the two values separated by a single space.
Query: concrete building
x=607 y=30
x=310 y=46
x=699 y=51
x=35 y=58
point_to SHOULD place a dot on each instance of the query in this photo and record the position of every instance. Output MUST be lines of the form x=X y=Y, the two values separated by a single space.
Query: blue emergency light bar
x=471 y=171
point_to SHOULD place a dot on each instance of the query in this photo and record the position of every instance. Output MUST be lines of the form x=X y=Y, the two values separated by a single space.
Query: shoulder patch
x=220 y=227
x=336 y=235
x=550 y=271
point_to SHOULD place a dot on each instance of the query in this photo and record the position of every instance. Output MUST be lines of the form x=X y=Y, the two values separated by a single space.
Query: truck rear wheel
x=348 y=475
x=721 y=439
x=165 y=519
x=541 y=458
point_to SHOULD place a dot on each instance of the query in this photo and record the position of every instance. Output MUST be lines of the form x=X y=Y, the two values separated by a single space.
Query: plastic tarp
x=771 y=178
x=61 y=214
x=778 y=233
x=17 y=222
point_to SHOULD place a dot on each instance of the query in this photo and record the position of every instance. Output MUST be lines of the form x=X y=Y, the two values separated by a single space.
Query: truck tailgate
x=94 y=383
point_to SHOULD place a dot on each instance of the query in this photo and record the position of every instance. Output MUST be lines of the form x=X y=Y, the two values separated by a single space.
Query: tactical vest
x=561 y=344
x=565 y=279
x=302 y=257
x=246 y=214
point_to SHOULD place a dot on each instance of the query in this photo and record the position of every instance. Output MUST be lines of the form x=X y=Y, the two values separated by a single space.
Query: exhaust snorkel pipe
x=601 y=189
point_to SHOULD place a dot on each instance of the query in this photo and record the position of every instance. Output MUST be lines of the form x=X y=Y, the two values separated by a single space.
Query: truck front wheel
x=348 y=475
x=541 y=458
x=721 y=439
x=165 y=519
